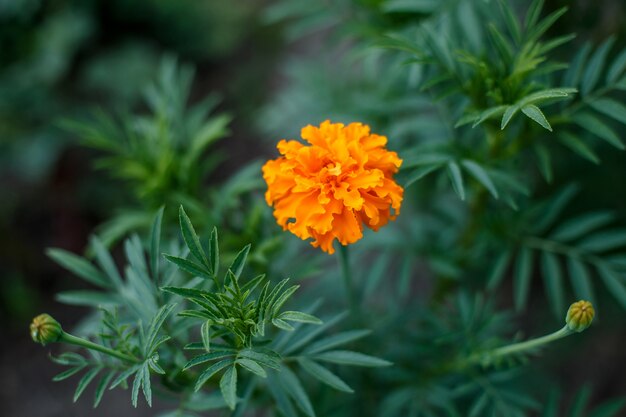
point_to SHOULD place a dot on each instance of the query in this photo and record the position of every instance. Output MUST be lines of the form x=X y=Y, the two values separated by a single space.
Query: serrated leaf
x=207 y=357
x=145 y=384
x=610 y=108
x=282 y=299
x=252 y=366
x=535 y=113
x=282 y=400
x=102 y=386
x=85 y=380
x=156 y=324
x=481 y=176
x=575 y=69
x=228 y=387
x=522 y=277
x=456 y=178
x=487 y=114
x=104 y=259
x=545 y=24
x=300 y=317
x=191 y=238
x=269 y=359
x=79 y=266
x=581 y=280
x=296 y=392
x=614 y=283
x=503 y=46
x=508 y=115
x=88 y=298
x=122 y=377
x=336 y=340
x=304 y=338
x=595 y=66
x=193 y=268
x=408 y=178
x=511 y=21
x=346 y=357
x=545 y=164
x=547 y=94
x=283 y=325
x=68 y=373
x=155 y=243
x=578 y=146
x=136 y=385
x=215 y=251
x=324 y=375
x=498 y=270
x=69 y=358
x=554 y=207
x=599 y=128
x=532 y=16
x=210 y=371
x=553 y=280
x=582 y=225
x=240 y=260
x=617 y=68
x=604 y=241
x=205 y=333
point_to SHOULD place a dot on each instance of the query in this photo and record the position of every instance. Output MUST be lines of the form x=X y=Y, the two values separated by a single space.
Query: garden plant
x=419 y=238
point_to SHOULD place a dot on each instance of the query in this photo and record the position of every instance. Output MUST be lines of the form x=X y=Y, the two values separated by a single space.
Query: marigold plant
x=328 y=189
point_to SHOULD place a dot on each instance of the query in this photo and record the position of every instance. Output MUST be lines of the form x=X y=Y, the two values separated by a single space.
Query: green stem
x=344 y=261
x=77 y=341
x=519 y=347
x=531 y=344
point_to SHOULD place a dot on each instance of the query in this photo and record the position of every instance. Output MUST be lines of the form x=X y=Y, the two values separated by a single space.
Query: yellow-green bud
x=44 y=329
x=579 y=316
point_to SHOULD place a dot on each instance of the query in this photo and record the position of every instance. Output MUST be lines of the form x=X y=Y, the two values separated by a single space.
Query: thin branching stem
x=77 y=341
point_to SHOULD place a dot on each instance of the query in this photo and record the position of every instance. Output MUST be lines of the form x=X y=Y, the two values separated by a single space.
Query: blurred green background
x=63 y=59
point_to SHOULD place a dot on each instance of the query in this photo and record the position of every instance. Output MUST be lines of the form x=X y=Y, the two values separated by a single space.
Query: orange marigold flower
x=328 y=189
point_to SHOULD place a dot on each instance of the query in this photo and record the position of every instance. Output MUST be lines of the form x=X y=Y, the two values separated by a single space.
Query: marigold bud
x=44 y=329
x=579 y=316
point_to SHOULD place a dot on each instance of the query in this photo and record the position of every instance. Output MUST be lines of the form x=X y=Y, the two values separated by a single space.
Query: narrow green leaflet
x=346 y=357
x=611 y=108
x=228 y=386
x=535 y=113
x=522 y=277
x=291 y=384
x=456 y=178
x=80 y=267
x=581 y=280
x=191 y=238
x=581 y=226
x=324 y=375
x=597 y=127
x=481 y=176
x=553 y=280
x=85 y=381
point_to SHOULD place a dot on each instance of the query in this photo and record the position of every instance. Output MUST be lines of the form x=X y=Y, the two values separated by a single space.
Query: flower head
x=44 y=329
x=579 y=316
x=332 y=186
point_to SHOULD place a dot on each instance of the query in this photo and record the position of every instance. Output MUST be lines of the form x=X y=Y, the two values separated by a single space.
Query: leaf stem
x=77 y=341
